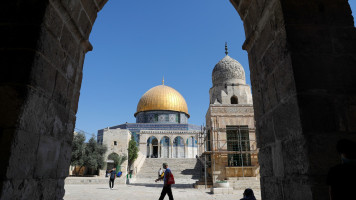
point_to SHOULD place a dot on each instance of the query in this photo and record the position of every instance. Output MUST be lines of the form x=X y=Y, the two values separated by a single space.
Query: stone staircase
x=186 y=171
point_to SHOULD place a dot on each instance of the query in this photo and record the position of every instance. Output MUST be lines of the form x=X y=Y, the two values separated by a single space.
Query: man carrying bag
x=168 y=180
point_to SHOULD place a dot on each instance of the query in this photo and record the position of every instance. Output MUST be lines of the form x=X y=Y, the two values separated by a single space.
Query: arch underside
x=301 y=62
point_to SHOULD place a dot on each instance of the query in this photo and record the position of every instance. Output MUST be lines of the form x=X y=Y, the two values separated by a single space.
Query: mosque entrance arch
x=152 y=147
x=165 y=147
x=178 y=147
x=291 y=75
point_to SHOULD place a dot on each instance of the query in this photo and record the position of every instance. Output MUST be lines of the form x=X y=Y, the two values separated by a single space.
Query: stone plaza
x=144 y=192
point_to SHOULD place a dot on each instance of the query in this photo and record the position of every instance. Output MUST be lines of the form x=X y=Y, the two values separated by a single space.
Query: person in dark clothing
x=112 y=178
x=342 y=177
x=167 y=189
x=248 y=195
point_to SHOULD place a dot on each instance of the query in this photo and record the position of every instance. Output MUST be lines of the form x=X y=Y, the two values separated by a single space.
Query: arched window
x=234 y=100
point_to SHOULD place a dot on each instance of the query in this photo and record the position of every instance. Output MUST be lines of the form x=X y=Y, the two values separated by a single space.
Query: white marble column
x=185 y=150
x=171 y=151
x=159 y=149
x=151 y=150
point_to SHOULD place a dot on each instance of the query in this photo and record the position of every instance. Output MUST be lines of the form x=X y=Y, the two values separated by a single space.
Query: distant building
x=161 y=129
x=230 y=141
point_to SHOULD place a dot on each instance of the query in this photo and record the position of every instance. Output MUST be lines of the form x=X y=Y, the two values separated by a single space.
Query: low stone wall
x=93 y=180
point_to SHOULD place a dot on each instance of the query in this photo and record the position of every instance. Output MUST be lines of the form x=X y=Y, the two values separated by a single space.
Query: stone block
x=43 y=75
x=265 y=131
x=277 y=159
x=33 y=118
x=286 y=120
x=48 y=188
x=60 y=94
x=47 y=157
x=90 y=9
x=22 y=151
x=64 y=160
x=269 y=93
x=74 y=102
x=49 y=47
x=271 y=188
x=295 y=156
x=53 y=21
x=73 y=7
x=265 y=161
x=297 y=188
x=69 y=43
x=59 y=117
x=85 y=24
x=21 y=189
x=70 y=68
x=284 y=80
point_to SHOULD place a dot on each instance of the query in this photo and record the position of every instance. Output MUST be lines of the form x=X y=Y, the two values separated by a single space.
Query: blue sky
x=136 y=43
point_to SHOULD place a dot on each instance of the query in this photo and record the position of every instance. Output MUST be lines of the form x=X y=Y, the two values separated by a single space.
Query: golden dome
x=162 y=97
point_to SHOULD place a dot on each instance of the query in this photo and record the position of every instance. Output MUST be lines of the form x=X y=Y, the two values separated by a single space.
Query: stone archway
x=165 y=147
x=192 y=147
x=301 y=56
x=152 y=147
x=178 y=147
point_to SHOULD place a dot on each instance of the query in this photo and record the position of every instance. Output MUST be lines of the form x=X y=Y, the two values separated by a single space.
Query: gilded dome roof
x=228 y=71
x=162 y=97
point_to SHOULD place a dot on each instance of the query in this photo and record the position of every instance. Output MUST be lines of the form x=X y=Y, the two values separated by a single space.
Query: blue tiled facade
x=162 y=117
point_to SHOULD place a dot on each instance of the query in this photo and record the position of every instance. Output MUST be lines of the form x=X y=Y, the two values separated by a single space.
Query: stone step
x=186 y=171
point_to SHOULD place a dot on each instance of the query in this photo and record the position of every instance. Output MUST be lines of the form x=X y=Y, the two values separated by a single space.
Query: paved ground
x=138 y=192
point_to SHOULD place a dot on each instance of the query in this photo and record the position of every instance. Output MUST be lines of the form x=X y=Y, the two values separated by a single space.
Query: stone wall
x=117 y=141
x=222 y=94
x=301 y=55
x=42 y=49
x=218 y=117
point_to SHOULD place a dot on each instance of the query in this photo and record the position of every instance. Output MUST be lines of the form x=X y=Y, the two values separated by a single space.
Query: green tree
x=94 y=154
x=78 y=147
x=118 y=159
x=133 y=151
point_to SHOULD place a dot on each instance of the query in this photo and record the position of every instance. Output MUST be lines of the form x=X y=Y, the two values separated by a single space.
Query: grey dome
x=228 y=71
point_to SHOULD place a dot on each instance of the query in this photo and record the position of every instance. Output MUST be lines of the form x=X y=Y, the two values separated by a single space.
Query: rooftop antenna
x=226 y=52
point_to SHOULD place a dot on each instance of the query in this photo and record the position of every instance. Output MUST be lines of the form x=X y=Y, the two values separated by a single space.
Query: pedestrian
x=341 y=178
x=112 y=178
x=168 y=180
x=248 y=195
x=160 y=172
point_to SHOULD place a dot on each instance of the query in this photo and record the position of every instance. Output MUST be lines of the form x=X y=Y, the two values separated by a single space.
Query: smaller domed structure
x=229 y=83
x=228 y=71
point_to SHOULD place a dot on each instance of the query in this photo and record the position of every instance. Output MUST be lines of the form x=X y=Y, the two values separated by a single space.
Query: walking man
x=112 y=178
x=166 y=183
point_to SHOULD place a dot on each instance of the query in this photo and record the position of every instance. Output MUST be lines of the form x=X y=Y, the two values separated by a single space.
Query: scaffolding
x=233 y=142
